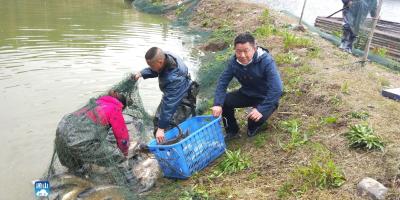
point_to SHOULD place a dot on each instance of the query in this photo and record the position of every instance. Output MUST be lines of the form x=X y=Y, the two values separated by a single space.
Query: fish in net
x=86 y=161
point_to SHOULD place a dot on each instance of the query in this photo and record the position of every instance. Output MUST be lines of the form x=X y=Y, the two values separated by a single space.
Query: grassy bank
x=332 y=128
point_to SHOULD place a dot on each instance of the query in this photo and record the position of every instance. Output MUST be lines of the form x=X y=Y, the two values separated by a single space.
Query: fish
x=180 y=137
x=103 y=192
x=63 y=181
x=73 y=193
x=147 y=171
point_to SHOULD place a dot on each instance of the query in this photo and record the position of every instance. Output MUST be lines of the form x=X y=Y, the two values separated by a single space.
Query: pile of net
x=107 y=177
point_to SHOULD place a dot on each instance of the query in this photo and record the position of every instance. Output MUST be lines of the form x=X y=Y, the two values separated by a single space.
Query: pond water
x=54 y=56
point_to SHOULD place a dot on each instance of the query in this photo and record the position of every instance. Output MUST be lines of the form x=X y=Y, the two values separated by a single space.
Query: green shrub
x=362 y=136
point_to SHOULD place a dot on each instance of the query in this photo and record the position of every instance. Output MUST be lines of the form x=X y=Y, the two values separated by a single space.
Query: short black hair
x=121 y=98
x=151 y=53
x=244 y=38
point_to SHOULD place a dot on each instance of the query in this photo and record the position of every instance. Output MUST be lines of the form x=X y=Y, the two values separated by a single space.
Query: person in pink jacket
x=81 y=135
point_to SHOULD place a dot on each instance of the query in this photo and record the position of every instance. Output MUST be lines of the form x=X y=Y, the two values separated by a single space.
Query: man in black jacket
x=261 y=84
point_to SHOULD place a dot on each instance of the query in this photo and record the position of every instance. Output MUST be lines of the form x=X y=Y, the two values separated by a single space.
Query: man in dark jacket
x=174 y=82
x=354 y=14
x=261 y=87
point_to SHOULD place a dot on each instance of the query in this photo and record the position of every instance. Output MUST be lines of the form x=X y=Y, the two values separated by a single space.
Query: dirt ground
x=331 y=83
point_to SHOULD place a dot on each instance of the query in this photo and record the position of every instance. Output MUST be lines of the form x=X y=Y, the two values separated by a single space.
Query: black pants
x=348 y=36
x=237 y=99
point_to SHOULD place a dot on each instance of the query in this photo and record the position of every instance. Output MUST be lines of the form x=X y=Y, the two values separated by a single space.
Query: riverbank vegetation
x=319 y=143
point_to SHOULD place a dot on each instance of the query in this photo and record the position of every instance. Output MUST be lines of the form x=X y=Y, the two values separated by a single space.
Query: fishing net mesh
x=90 y=155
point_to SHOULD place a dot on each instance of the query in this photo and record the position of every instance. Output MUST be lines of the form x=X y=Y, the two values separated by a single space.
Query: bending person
x=179 y=91
x=81 y=135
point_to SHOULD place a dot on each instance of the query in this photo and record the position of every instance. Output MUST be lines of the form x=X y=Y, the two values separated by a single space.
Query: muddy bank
x=326 y=92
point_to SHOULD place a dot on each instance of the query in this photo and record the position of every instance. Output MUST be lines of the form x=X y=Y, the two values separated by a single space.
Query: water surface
x=54 y=56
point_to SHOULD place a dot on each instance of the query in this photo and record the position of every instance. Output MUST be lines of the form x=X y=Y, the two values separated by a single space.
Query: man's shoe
x=231 y=136
x=253 y=132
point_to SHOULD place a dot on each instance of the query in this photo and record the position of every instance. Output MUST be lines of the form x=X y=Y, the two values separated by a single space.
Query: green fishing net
x=87 y=163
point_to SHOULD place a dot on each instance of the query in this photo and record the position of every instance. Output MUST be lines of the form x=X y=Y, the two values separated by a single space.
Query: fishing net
x=87 y=162
x=182 y=9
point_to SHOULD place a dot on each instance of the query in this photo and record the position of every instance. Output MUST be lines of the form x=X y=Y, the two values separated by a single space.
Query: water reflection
x=54 y=56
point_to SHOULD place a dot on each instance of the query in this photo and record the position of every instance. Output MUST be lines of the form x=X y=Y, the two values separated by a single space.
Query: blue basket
x=204 y=144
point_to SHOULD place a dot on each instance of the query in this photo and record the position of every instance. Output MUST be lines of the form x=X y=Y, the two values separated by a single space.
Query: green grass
x=265 y=16
x=224 y=33
x=363 y=115
x=286 y=58
x=291 y=41
x=382 y=52
x=296 y=137
x=321 y=173
x=180 y=10
x=233 y=162
x=337 y=34
x=265 y=31
x=362 y=136
x=336 y=100
x=314 y=52
x=194 y=193
x=329 y=120
x=345 y=88
x=383 y=82
x=260 y=140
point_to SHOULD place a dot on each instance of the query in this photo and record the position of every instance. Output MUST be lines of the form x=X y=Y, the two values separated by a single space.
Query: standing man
x=261 y=88
x=354 y=14
x=179 y=92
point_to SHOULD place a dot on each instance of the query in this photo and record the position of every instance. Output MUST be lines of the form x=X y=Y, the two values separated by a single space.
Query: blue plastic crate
x=204 y=144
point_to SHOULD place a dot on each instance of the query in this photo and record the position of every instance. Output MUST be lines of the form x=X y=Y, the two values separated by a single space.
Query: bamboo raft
x=386 y=35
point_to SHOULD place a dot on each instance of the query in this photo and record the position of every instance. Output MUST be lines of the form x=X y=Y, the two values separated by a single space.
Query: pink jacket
x=109 y=110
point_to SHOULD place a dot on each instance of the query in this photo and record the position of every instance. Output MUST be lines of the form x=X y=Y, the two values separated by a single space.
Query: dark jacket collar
x=170 y=62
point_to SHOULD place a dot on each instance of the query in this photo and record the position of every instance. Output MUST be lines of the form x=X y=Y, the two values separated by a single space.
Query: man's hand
x=254 y=115
x=216 y=111
x=160 y=135
x=136 y=76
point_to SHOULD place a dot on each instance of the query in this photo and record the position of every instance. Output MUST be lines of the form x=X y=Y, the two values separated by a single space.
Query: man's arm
x=222 y=84
x=148 y=73
x=274 y=89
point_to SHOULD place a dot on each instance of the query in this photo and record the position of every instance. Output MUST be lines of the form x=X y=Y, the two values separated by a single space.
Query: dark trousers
x=237 y=99
x=348 y=37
